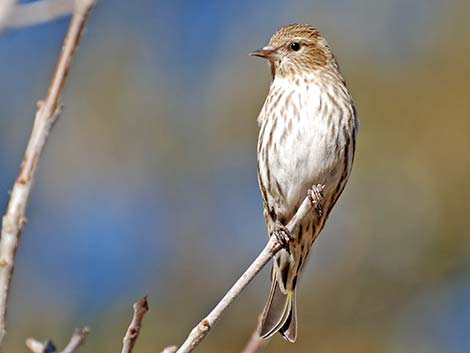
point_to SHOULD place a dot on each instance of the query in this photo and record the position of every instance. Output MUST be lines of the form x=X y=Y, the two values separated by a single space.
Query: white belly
x=304 y=148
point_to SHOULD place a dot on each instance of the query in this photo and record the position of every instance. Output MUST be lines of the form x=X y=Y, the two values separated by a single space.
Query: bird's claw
x=315 y=195
x=282 y=234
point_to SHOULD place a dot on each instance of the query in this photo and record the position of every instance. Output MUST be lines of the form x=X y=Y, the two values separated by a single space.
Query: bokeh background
x=148 y=183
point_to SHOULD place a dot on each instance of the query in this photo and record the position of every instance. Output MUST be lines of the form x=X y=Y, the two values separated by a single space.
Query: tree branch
x=77 y=339
x=46 y=114
x=272 y=247
x=6 y=9
x=40 y=347
x=171 y=349
x=140 y=309
x=256 y=344
x=39 y=12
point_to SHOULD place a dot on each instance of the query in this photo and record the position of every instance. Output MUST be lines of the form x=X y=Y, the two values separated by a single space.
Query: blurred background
x=148 y=183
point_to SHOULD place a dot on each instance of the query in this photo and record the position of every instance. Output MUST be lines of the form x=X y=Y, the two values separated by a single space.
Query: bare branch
x=35 y=346
x=140 y=309
x=39 y=12
x=46 y=114
x=6 y=9
x=272 y=247
x=256 y=344
x=171 y=349
x=40 y=347
x=77 y=339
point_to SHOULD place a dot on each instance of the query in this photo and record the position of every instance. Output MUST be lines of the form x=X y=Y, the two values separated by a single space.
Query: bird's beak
x=267 y=52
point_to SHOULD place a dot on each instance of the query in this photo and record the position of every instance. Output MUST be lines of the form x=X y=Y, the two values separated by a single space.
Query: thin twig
x=77 y=339
x=39 y=12
x=46 y=114
x=272 y=247
x=256 y=344
x=40 y=347
x=140 y=309
x=6 y=9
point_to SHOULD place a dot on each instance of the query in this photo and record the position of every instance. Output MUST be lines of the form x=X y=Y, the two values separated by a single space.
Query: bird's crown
x=296 y=48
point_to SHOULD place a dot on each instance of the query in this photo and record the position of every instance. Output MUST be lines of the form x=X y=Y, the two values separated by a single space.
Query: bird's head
x=296 y=49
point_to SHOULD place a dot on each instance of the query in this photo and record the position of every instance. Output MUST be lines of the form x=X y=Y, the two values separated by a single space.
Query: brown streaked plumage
x=308 y=128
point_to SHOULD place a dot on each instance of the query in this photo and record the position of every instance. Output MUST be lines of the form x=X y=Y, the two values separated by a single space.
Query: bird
x=307 y=139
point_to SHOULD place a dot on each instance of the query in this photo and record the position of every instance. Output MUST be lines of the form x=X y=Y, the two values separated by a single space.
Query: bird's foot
x=282 y=234
x=315 y=194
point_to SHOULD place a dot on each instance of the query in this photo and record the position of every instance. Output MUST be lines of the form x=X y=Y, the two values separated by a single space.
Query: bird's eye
x=295 y=46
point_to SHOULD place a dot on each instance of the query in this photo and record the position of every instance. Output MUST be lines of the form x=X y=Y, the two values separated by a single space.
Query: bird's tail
x=279 y=314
